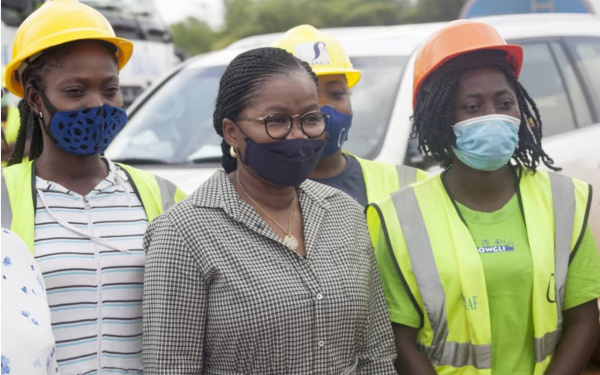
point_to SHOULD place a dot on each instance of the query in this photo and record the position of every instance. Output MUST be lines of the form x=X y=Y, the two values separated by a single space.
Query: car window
x=587 y=54
x=175 y=124
x=373 y=99
x=581 y=110
x=542 y=80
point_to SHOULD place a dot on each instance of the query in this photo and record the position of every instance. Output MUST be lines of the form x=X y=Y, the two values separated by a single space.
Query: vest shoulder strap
x=156 y=193
x=382 y=179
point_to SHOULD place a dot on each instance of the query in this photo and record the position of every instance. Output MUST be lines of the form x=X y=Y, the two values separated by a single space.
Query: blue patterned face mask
x=338 y=126
x=87 y=131
x=486 y=143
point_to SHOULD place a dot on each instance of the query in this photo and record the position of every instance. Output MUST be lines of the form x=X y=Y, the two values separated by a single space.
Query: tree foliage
x=252 y=17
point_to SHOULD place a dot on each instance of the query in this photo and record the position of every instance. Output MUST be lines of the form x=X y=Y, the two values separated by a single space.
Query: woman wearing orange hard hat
x=82 y=216
x=364 y=180
x=489 y=267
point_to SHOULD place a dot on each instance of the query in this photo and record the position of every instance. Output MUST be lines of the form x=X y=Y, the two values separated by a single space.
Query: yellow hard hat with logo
x=57 y=22
x=322 y=52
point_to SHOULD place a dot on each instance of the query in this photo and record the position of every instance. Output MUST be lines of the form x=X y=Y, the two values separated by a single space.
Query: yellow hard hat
x=57 y=22
x=322 y=52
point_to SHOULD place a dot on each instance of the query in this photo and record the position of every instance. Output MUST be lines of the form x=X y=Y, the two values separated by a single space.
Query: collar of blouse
x=219 y=192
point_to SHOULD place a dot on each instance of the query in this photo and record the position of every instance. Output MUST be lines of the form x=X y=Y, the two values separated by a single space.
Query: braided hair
x=244 y=76
x=434 y=116
x=33 y=75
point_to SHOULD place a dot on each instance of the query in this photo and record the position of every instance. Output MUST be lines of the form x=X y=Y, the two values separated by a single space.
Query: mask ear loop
x=246 y=139
x=51 y=110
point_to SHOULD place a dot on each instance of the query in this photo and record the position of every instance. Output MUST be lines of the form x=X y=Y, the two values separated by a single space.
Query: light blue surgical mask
x=486 y=143
x=337 y=129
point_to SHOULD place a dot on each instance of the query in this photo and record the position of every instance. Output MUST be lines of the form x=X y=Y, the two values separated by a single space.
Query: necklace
x=289 y=240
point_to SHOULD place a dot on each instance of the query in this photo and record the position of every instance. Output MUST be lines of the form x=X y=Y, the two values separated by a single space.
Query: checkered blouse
x=223 y=295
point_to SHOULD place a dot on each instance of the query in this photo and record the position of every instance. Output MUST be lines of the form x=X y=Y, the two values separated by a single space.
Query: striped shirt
x=94 y=289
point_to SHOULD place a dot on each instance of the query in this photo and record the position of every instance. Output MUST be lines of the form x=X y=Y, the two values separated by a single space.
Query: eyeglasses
x=279 y=125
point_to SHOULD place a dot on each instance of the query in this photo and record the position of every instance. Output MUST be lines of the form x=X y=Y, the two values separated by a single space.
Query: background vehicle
x=136 y=20
x=479 y=8
x=170 y=130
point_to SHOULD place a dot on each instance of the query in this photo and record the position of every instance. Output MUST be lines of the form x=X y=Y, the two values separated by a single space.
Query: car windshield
x=174 y=125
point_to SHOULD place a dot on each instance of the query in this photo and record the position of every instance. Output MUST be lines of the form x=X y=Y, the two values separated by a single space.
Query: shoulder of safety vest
x=133 y=171
x=583 y=190
x=411 y=173
x=571 y=196
x=545 y=175
x=18 y=201
x=156 y=193
x=382 y=178
x=372 y=164
x=19 y=169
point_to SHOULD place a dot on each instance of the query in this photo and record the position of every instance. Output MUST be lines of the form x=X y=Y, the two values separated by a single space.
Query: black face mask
x=287 y=162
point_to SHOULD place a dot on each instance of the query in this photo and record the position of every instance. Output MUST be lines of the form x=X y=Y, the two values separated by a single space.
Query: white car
x=170 y=130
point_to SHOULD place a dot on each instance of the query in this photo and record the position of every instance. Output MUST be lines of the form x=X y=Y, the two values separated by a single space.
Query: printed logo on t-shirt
x=495 y=246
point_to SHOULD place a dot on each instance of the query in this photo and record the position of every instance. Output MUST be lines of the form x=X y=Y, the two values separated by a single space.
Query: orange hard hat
x=458 y=38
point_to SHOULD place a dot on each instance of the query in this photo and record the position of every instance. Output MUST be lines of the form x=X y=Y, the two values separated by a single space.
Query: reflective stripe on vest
x=167 y=192
x=426 y=275
x=563 y=201
x=406 y=175
x=445 y=353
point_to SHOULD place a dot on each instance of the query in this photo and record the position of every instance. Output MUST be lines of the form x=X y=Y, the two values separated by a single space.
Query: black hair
x=33 y=75
x=242 y=79
x=434 y=115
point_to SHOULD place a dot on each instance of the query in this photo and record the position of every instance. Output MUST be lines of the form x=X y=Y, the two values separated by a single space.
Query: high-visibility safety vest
x=19 y=195
x=382 y=179
x=11 y=127
x=438 y=262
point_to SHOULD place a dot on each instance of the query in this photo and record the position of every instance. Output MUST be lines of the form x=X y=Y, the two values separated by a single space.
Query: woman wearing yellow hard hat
x=81 y=215
x=489 y=267
x=362 y=179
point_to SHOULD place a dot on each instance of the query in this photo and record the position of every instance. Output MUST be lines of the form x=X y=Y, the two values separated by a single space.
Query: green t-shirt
x=501 y=238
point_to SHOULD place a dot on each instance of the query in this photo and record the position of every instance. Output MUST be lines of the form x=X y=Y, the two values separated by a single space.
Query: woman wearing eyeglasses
x=261 y=271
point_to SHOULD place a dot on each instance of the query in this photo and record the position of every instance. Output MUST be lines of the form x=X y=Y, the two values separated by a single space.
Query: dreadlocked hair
x=244 y=76
x=32 y=75
x=27 y=119
x=434 y=116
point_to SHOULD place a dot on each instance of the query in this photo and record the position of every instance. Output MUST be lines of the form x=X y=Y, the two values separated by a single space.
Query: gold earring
x=232 y=152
